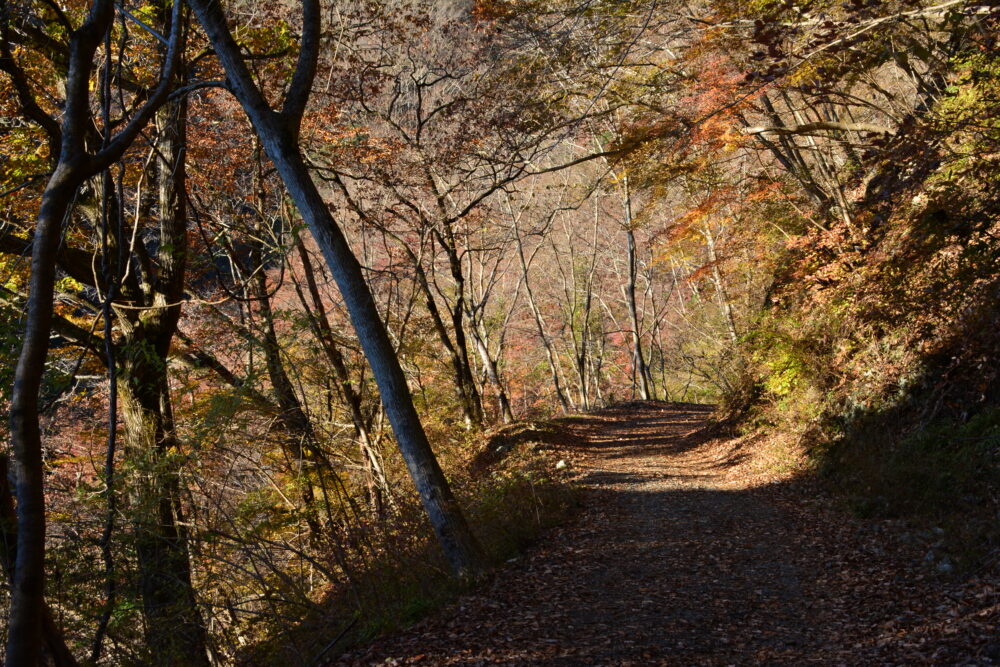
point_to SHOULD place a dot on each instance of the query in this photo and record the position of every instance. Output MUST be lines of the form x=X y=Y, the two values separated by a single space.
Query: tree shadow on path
x=676 y=561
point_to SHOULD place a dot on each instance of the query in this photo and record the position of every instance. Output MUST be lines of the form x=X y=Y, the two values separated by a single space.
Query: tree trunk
x=73 y=166
x=585 y=353
x=301 y=443
x=492 y=372
x=550 y=353
x=465 y=384
x=278 y=133
x=24 y=629
x=639 y=359
x=720 y=289
x=378 y=486
x=466 y=378
x=474 y=411
x=55 y=647
x=175 y=630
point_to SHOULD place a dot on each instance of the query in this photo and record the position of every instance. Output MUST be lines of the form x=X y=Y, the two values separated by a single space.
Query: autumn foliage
x=788 y=210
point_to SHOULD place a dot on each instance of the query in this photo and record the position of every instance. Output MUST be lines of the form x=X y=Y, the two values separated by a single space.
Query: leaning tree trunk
x=378 y=485
x=278 y=133
x=299 y=436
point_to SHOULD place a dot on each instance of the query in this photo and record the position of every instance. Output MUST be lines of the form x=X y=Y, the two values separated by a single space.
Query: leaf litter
x=689 y=552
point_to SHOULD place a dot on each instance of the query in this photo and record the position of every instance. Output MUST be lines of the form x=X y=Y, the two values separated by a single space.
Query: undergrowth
x=878 y=352
x=944 y=474
x=511 y=495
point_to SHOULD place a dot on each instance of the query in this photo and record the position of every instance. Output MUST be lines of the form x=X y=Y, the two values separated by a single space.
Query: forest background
x=333 y=255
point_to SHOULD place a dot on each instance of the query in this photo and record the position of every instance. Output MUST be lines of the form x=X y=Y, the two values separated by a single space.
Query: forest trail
x=690 y=551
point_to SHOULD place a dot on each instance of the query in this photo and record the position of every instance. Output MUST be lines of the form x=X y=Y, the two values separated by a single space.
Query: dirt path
x=687 y=554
